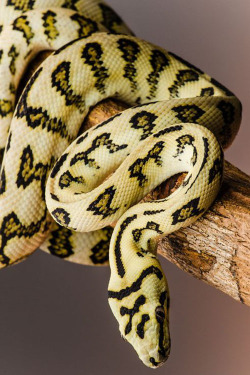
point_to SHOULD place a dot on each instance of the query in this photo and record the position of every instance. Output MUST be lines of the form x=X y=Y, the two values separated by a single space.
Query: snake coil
x=60 y=189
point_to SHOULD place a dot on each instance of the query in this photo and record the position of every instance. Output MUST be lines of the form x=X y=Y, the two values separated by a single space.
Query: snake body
x=63 y=188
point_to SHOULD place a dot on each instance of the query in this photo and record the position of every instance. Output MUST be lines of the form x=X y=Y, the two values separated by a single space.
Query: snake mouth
x=161 y=358
x=157 y=363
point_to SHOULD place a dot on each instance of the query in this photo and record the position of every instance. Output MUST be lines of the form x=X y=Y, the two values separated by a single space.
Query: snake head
x=144 y=323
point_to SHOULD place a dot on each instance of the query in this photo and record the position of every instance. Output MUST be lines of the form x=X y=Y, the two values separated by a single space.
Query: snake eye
x=160 y=314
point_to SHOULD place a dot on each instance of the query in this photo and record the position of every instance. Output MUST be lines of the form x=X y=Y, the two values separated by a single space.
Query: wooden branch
x=216 y=248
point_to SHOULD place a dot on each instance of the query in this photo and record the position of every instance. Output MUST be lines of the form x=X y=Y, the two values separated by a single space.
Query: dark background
x=54 y=316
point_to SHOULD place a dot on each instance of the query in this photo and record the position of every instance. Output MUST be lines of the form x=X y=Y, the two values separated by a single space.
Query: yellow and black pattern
x=112 y=20
x=49 y=24
x=92 y=56
x=130 y=51
x=12 y=226
x=100 y=141
x=86 y=26
x=98 y=178
x=13 y=54
x=61 y=243
x=182 y=77
x=158 y=61
x=22 y=5
x=61 y=81
x=136 y=169
x=102 y=205
x=144 y=121
x=37 y=117
x=100 y=252
x=31 y=29
x=22 y=24
x=6 y=107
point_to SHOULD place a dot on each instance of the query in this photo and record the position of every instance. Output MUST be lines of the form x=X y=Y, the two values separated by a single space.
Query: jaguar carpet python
x=97 y=177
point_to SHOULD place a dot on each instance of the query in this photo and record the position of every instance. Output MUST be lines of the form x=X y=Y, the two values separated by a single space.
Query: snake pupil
x=160 y=314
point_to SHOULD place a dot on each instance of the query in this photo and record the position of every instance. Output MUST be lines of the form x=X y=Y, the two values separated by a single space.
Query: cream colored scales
x=50 y=171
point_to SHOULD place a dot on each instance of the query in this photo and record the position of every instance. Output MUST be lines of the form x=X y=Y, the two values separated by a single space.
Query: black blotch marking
x=110 y=18
x=140 y=327
x=6 y=107
x=23 y=5
x=81 y=138
x=61 y=244
x=2 y=182
x=131 y=312
x=136 y=285
x=53 y=196
x=66 y=180
x=160 y=317
x=92 y=54
x=130 y=51
x=14 y=55
x=136 y=169
x=158 y=61
x=151 y=225
x=168 y=130
x=118 y=255
x=153 y=212
x=188 y=113
x=100 y=141
x=182 y=142
x=1 y=155
x=61 y=216
x=8 y=141
x=182 y=77
x=216 y=169
x=49 y=19
x=12 y=227
x=70 y=4
x=22 y=24
x=228 y=113
x=38 y=117
x=29 y=172
x=144 y=121
x=60 y=79
x=100 y=252
x=187 y=211
x=58 y=165
x=86 y=26
x=206 y=150
x=207 y=91
x=102 y=205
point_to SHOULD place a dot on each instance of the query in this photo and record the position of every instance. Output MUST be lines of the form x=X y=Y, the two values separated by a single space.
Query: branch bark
x=216 y=248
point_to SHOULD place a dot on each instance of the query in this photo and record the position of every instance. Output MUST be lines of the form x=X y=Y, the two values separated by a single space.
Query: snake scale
x=61 y=188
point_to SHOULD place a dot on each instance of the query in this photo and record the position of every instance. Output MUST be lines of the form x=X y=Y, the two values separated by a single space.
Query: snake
x=62 y=188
